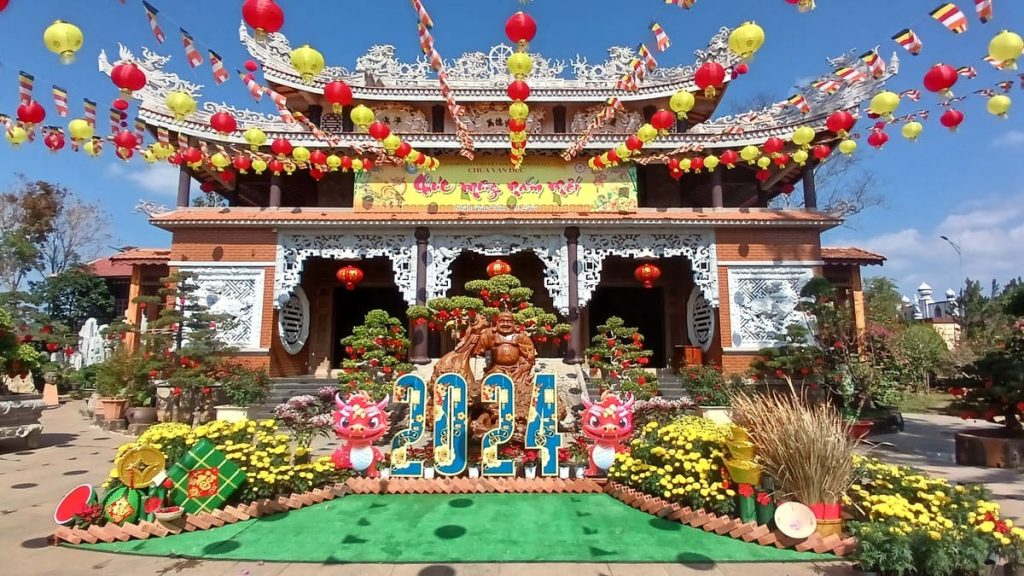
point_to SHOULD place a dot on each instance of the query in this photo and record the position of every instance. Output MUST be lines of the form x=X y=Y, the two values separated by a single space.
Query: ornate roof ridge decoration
x=379 y=74
x=159 y=83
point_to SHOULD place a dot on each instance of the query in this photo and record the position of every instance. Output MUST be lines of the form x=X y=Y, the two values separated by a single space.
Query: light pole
x=963 y=282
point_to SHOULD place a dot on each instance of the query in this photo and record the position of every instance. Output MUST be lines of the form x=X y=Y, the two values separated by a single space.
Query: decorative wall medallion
x=700 y=320
x=293 y=320
x=236 y=292
x=763 y=303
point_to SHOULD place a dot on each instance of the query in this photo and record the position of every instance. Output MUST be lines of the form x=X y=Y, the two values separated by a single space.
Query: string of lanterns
x=520 y=29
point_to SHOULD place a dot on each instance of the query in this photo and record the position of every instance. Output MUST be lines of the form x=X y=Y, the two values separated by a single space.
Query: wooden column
x=132 y=315
x=810 y=191
x=859 y=315
x=184 y=187
x=574 y=349
x=716 y=188
x=275 y=191
x=420 y=334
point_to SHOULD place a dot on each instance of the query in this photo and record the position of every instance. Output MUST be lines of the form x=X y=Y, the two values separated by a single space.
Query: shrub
x=308 y=416
x=376 y=355
x=244 y=386
x=707 y=386
x=617 y=352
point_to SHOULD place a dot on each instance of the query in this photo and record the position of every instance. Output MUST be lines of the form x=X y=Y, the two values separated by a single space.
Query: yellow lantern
x=847 y=147
x=163 y=150
x=685 y=164
x=16 y=135
x=800 y=157
x=592 y=165
x=333 y=162
x=148 y=156
x=259 y=165
x=803 y=136
x=606 y=160
x=64 y=40
x=623 y=152
x=750 y=154
x=681 y=103
x=1006 y=47
x=711 y=162
x=181 y=103
x=301 y=154
x=764 y=162
x=518 y=111
x=362 y=117
x=647 y=133
x=391 y=143
x=885 y=103
x=520 y=64
x=357 y=165
x=911 y=130
x=80 y=130
x=93 y=148
x=255 y=137
x=746 y=40
x=517 y=136
x=999 y=105
x=308 y=62
x=220 y=160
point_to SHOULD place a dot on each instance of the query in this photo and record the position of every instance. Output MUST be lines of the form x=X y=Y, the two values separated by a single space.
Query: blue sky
x=967 y=185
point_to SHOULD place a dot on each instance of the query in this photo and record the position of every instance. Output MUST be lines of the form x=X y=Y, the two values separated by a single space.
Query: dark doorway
x=351 y=306
x=643 y=308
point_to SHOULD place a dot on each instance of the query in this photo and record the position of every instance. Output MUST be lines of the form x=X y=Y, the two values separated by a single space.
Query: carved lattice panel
x=700 y=320
x=293 y=321
x=762 y=303
x=235 y=292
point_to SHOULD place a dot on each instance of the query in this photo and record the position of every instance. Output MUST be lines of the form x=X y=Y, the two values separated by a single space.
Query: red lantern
x=338 y=94
x=128 y=77
x=192 y=155
x=763 y=175
x=207 y=187
x=54 y=141
x=519 y=90
x=223 y=122
x=403 y=150
x=121 y=104
x=729 y=158
x=840 y=123
x=520 y=27
x=281 y=147
x=515 y=125
x=663 y=120
x=318 y=158
x=878 y=138
x=648 y=274
x=774 y=145
x=952 y=118
x=673 y=164
x=498 y=268
x=598 y=163
x=31 y=113
x=276 y=166
x=697 y=164
x=613 y=156
x=251 y=66
x=227 y=176
x=634 y=143
x=264 y=16
x=350 y=276
x=242 y=163
x=821 y=151
x=787 y=188
x=379 y=130
x=367 y=165
x=781 y=160
x=709 y=78
x=940 y=78
x=126 y=139
x=316 y=174
x=740 y=69
x=346 y=163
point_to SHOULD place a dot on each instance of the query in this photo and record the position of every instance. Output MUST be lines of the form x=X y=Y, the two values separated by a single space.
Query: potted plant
x=513 y=452
x=385 y=466
x=426 y=454
x=115 y=378
x=564 y=458
x=530 y=459
x=709 y=391
x=1012 y=551
x=579 y=452
x=142 y=410
x=474 y=466
x=244 y=388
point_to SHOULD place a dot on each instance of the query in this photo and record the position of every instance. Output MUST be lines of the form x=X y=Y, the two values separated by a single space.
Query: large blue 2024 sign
x=451 y=424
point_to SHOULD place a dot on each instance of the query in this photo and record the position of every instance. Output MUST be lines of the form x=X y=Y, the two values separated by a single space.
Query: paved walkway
x=73 y=452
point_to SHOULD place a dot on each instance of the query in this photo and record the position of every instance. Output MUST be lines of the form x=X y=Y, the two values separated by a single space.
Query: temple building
x=731 y=267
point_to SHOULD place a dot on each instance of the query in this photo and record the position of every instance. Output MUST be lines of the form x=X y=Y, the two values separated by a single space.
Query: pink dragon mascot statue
x=609 y=423
x=359 y=422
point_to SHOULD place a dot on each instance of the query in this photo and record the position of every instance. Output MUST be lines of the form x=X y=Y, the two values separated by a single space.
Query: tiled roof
x=347 y=217
x=105 y=268
x=143 y=256
x=851 y=256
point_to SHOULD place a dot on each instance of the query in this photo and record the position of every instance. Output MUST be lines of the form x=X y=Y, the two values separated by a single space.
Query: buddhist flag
x=827 y=85
x=627 y=82
x=875 y=63
x=151 y=16
x=1006 y=85
x=951 y=17
x=998 y=65
x=162 y=135
x=800 y=103
x=421 y=12
x=986 y=92
x=191 y=54
x=426 y=40
x=90 y=111
x=220 y=75
x=639 y=72
x=909 y=40
x=115 y=120
x=912 y=94
x=616 y=104
x=255 y=90
x=60 y=101
x=648 y=57
x=140 y=129
x=282 y=106
x=25 y=83
x=682 y=3
x=660 y=37
x=850 y=75
x=984 y=8
x=967 y=71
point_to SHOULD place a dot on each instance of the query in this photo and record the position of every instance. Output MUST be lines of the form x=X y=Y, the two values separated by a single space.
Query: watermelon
x=123 y=504
x=78 y=500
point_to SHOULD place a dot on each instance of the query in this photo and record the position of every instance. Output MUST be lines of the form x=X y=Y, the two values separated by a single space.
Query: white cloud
x=990 y=233
x=1011 y=138
x=160 y=179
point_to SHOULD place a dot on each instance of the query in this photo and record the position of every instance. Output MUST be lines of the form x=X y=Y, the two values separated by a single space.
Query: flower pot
x=1014 y=569
x=744 y=471
x=530 y=472
x=474 y=471
x=581 y=471
x=385 y=473
x=741 y=450
x=113 y=408
x=717 y=414
x=169 y=514
x=861 y=428
x=746 y=507
x=563 y=472
x=827 y=528
x=766 y=513
x=428 y=472
x=232 y=413
x=142 y=415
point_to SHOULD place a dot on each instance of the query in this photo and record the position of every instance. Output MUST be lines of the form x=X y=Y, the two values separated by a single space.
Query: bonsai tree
x=18 y=356
x=243 y=386
x=617 y=354
x=377 y=355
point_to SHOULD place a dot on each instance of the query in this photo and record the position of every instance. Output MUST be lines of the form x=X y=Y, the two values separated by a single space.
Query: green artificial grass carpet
x=430 y=528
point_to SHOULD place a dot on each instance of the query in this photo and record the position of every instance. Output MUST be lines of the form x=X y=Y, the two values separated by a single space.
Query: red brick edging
x=726 y=526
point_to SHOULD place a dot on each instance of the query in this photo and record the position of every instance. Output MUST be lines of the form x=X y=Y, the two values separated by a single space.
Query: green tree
x=376 y=355
x=617 y=351
x=17 y=356
x=922 y=352
x=882 y=301
x=73 y=296
x=27 y=217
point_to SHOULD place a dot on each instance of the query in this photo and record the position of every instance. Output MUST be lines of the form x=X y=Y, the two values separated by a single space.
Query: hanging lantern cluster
x=661 y=122
x=840 y=123
x=520 y=29
x=263 y=16
x=64 y=40
x=308 y=62
x=350 y=276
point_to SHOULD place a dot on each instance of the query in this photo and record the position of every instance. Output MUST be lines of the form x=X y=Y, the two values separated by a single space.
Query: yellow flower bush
x=681 y=462
x=271 y=465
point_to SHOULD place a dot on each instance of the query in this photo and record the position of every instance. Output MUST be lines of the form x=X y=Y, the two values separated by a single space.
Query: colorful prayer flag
x=987 y=92
x=660 y=37
x=90 y=111
x=163 y=136
x=951 y=17
x=996 y=63
x=616 y=103
x=1005 y=85
x=151 y=16
x=967 y=71
x=800 y=103
x=649 y=60
x=909 y=40
x=426 y=40
x=912 y=94
x=421 y=12
x=682 y=3
x=140 y=129
x=115 y=120
x=874 y=62
x=639 y=72
x=191 y=53
x=255 y=90
x=827 y=85
x=984 y=8
x=60 y=101
x=850 y=75
x=220 y=74
x=25 y=83
x=282 y=105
